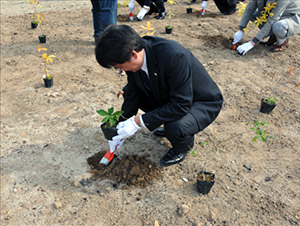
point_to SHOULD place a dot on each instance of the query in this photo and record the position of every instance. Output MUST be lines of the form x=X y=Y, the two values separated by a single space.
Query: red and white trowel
x=113 y=146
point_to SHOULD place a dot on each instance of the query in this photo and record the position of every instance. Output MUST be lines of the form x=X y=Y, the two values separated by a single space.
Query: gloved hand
x=143 y=12
x=126 y=129
x=238 y=37
x=243 y=49
x=203 y=7
x=115 y=144
x=131 y=6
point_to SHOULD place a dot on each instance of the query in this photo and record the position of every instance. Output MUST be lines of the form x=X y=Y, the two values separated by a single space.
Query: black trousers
x=180 y=133
x=227 y=7
x=156 y=6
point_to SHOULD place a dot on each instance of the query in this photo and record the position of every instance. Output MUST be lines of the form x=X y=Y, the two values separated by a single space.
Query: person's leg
x=161 y=9
x=224 y=7
x=181 y=133
x=280 y=30
x=108 y=10
x=153 y=7
x=96 y=18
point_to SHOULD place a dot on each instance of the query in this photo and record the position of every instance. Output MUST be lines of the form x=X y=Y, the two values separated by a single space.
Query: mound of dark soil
x=132 y=170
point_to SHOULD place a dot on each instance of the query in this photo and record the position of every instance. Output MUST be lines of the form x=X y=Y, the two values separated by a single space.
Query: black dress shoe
x=171 y=158
x=160 y=132
x=161 y=15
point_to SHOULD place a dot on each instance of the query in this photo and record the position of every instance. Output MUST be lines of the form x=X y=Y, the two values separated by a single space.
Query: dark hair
x=115 y=45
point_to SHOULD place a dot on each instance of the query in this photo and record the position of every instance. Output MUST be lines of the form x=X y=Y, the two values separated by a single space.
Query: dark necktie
x=145 y=79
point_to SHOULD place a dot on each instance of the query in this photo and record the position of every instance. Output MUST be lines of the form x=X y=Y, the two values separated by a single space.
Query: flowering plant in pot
x=34 y=4
x=40 y=19
x=169 y=27
x=109 y=122
x=48 y=80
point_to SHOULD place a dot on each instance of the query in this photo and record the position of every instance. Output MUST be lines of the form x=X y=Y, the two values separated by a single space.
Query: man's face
x=134 y=64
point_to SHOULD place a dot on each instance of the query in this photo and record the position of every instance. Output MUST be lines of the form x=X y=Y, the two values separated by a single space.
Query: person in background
x=167 y=82
x=283 y=21
x=104 y=14
x=227 y=7
x=149 y=7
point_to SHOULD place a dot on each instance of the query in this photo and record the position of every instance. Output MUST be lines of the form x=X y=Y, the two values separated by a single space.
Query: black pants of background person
x=180 y=133
x=156 y=6
x=227 y=7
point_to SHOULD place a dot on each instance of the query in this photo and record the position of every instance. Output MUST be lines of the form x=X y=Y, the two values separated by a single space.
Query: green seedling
x=271 y=100
x=110 y=116
x=256 y=126
x=260 y=133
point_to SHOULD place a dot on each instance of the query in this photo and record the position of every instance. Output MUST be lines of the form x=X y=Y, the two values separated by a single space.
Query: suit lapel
x=153 y=71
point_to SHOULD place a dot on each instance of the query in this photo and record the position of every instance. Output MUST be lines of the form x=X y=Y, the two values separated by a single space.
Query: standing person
x=104 y=14
x=149 y=7
x=165 y=81
x=283 y=23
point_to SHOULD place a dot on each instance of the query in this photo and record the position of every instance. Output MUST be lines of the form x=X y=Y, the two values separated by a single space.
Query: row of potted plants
x=36 y=22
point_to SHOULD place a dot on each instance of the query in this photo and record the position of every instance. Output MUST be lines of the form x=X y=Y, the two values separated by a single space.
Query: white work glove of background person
x=203 y=7
x=243 y=49
x=238 y=37
x=143 y=12
x=131 y=6
x=126 y=129
x=115 y=143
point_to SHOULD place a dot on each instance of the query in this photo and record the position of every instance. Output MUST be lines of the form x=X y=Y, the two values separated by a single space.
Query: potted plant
x=189 y=9
x=109 y=122
x=169 y=27
x=206 y=179
x=48 y=80
x=33 y=5
x=267 y=105
x=42 y=37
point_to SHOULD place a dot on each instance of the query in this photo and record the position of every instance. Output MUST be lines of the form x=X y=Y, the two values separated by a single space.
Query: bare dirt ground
x=49 y=134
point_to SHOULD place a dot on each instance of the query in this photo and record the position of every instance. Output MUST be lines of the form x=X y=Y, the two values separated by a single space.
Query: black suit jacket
x=179 y=85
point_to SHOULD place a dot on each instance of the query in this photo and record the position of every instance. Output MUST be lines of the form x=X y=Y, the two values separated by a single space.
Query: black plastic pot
x=42 y=38
x=109 y=132
x=169 y=30
x=34 y=24
x=266 y=107
x=204 y=186
x=48 y=82
x=189 y=10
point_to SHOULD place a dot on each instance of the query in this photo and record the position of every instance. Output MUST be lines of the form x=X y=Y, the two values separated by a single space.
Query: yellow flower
x=47 y=58
x=246 y=28
x=40 y=48
x=148 y=27
x=241 y=8
x=171 y=2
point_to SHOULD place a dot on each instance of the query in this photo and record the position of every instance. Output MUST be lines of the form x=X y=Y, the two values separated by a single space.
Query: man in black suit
x=166 y=81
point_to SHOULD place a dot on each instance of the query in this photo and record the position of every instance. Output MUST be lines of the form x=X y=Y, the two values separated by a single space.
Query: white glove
x=238 y=37
x=203 y=7
x=143 y=12
x=126 y=129
x=243 y=49
x=115 y=144
x=131 y=6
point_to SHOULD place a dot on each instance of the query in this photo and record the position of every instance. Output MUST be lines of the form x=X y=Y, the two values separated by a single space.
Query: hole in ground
x=131 y=170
